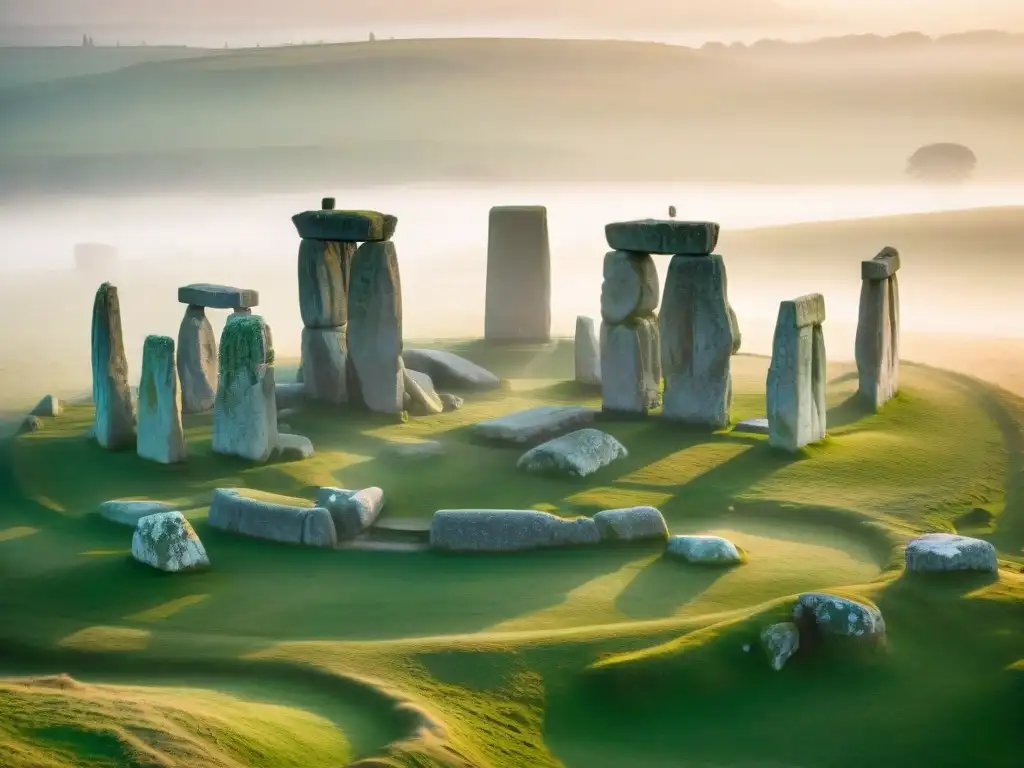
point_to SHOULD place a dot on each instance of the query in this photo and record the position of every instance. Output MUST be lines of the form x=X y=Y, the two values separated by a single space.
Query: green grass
x=560 y=658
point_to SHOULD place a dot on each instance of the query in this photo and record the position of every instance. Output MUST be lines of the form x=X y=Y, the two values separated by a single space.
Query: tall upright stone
x=245 y=412
x=161 y=437
x=587 y=353
x=375 y=329
x=518 y=293
x=197 y=361
x=878 y=329
x=115 y=414
x=795 y=387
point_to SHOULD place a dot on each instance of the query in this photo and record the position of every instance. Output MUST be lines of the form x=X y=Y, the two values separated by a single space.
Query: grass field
x=580 y=658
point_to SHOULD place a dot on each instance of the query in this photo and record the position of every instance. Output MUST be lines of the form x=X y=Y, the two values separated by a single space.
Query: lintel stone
x=345 y=226
x=806 y=310
x=218 y=296
x=881 y=267
x=663 y=236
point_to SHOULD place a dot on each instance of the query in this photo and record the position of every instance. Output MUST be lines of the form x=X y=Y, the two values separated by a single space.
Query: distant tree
x=942 y=162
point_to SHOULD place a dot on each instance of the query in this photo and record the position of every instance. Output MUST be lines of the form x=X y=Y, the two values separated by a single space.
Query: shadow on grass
x=851 y=410
x=663 y=587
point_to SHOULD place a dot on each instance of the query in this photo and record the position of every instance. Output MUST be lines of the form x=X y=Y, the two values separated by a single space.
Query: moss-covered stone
x=345 y=226
x=245 y=347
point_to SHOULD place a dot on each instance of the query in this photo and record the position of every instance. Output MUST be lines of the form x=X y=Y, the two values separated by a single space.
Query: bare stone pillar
x=161 y=437
x=878 y=329
x=518 y=298
x=111 y=393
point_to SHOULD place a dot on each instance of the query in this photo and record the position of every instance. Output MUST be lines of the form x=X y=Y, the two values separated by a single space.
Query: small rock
x=167 y=542
x=294 y=447
x=840 y=616
x=449 y=370
x=752 y=426
x=129 y=512
x=352 y=511
x=940 y=552
x=424 y=449
x=29 y=424
x=507 y=530
x=49 y=406
x=450 y=402
x=780 y=642
x=631 y=524
x=577 y=454
x=704 y=550
x=535 y=424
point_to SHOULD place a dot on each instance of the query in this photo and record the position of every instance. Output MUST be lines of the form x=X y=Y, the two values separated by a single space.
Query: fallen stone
x=517 y=303
x=704 y=550
x=630 y=367
x=324 y=268
x=375 y=327
x=780 y=642
x=587 y=353
x=839 y=616
x=752 y=426
x=881 y=267
x=450 y=402
x=28 y=425
x=167 y=542
x=448 y=370
x=535 y=424
x=293 y=447
x=197 y=361
x=507 y=530
x=631 y=524
x=424 y=449
x=129 y=512
x=48 y=407
x=419 y=389
x=325 y=365
x=941 y=552
x=666 y=237
x=345 y=226
x=161 y=437
x=795 y=390
x=232 y=512
x=352 y=511
x=630 y=286
x=218 y=296
x=115 y=414
x=576 y=454
x=318 y=529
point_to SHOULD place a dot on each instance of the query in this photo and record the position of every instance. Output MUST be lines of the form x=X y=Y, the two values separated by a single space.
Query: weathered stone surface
x=507 y=530
x=448 y=370
x=419 y=389
x=535 y=424
x=197 y=361
x=29 y=424
x=630 y=366
x=161 y=437
x=450 y=402
x=518 y=292
x=293 y=447
x=48 y=407
x=576 y=454
x=325 y=364
x=877 y=341
x=166 y=541
x=352 y=511
x=630 y=286
x=704 y=550
x=218 y=296
x=697 y=342
x=587 y=353
x=375 y=327
x=795 y=385
x=324 y=267
x=318 y=529
x=111 y=393
x=631 y=524
x=245 y=412
x=235 y=513
x=939 y=552
x=129 y=512
x=840 y=616
x=345 y=226
x=422 y=449
x=780 y=642
x=669 y=237
x=752 y=426
x=882 y=266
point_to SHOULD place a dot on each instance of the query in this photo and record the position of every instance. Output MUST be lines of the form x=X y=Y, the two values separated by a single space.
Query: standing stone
x=630 y=286
x=698 y=338
x=587 y=353
x=518 y=294
x=161 y=437
x=323 y=282
x=197 y=361
x=245 y=412
x=324 y=364
x=115 y=416
x=375 y=327
x=877 y=343
x=796 y=377
x=630 y=369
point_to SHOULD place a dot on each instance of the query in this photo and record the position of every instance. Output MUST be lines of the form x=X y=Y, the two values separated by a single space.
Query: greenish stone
x=663 y=236
x=345 y=226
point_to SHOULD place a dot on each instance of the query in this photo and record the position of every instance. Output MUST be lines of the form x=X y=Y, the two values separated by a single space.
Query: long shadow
x=663 y=587
x=851 y=410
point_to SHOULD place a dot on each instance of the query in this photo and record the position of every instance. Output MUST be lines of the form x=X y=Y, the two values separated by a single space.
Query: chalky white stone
x=507 y=530
x=587 y=353
x=161 y=437
x=840 y=616
x=780 y=642
x=166 y=541
x=534 y=424
x=941 y=552
x=631 y=524
x=704 y=550
x=576 y=454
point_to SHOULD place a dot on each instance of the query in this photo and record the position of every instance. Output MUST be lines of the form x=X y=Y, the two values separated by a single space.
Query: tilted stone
x=197 y=361
x=518 y=289
x=214 y=296
x=448 y=370
x=161 y=437
x=882 y=266
x=129 y=511
x=795 y=388
x=780 y=642
x=375 y=327
x=630 y=286
x=345 y=226
x=698 y=336
x=111 y=393
x=167 y=542
x=631 y=524
x=420 y=396
x=877 y=341
x=663 y=236
x=630 y=367
x=49 y=407
x=507 y=530
x=325 y=364
x=324 y=268
x=587 y=353
x=941 y=552
x=534 y=425
x=576 y=454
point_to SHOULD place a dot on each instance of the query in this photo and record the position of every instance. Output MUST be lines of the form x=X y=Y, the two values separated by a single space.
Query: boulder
x=167 y=542
x=245 y=413
x=450 y=402
x=630 y=286
x=419 y=389
x=534 y=425
x=28 y=425
x=780 y=642
x=423 y=449
x=668 y=237
x=375 y=327
x=631 y=524
x=878 y=328
x=940 y=552
x=587 y=353
x=795 y=389
x=129 y=512
x=840 y=616
x=518 y=291
x=161 y=437
x=235 y=513
x=294 y=447
x=111 y=393
x=697 y=342
x=325 y=364
x=576 y=454
x=507 y=530
x=757 y=426
x=448 y=370
x=352 y=511
x=345 y=226
x=218 y=296
x=197 y=361
x=630 y=367
x=324 y=267
x=48 y=407
x=704 y=550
